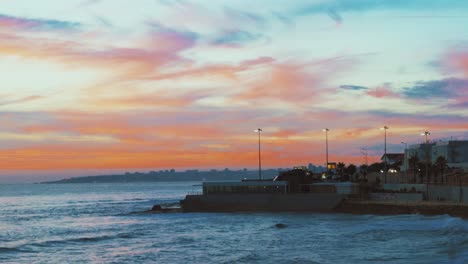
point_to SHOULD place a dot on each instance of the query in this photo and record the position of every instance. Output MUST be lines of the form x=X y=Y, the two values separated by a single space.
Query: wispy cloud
x=235 y=38
x=446 y=88
x=161 y=47
x=32 y=24
x=90 y=2
x=353 y=87
x=333 y=14
x=8 y=101
x=365 y=5
x=245 y=17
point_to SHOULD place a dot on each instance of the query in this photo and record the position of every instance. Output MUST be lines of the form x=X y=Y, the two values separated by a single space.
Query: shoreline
x=363 y=207
x=395 y=208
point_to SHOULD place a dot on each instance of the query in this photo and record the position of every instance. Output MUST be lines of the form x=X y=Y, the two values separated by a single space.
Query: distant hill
x=172 y=175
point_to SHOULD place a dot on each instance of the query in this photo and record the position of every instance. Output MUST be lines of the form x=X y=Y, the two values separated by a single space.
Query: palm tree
x=340 y=168
x=441 y=165
x=351 y=170
x=413 y=162
x=421 y=171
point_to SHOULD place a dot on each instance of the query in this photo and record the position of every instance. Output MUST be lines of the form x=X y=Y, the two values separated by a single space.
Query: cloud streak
x=31 y=24
x=446 y=88
x=353 y=87
x=26 y=99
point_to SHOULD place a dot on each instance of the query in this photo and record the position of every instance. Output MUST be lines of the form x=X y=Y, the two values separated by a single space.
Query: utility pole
x=427 y=155
x=364 y=152
x=326 y=147
x=405 y=160
x=259 y=130
x=427 y=162
x=385 y=153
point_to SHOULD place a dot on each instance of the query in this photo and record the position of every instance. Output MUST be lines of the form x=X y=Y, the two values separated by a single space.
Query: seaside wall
x=407 y=186
x=347 y=188
x=396 y=197
x=434 y=192
x=448 y=193
x=237 y=202
x=453 y=178
x=341 y=187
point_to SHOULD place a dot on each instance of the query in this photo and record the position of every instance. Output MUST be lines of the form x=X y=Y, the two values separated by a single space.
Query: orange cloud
x=283 y=82
x=161 y=48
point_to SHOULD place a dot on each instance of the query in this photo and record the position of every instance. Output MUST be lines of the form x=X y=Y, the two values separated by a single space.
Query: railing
x=195 y=193
x=452 y=177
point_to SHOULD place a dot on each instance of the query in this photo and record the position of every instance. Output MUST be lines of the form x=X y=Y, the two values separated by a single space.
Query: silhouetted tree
x=376 y=167
x=363 y=169
x=441 y=166
x=351 y=170
x=340 y=167
x=421 y=171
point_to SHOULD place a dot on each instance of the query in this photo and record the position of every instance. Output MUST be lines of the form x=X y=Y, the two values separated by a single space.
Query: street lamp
x=259 y=130
x=385 y=153
x=427 y=155
x=405 y=159
x=326 y=147
x=426 y=134
x=364 y=152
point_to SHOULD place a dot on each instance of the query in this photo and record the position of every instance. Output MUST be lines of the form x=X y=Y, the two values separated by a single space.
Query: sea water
x=97 y=223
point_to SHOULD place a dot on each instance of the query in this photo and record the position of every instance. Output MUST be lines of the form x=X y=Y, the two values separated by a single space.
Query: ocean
x=97 y=223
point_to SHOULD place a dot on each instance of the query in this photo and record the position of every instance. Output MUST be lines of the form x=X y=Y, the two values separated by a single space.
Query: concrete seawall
x=434 y=192
x=392 y=208
x=262 y=202
x=396 y=197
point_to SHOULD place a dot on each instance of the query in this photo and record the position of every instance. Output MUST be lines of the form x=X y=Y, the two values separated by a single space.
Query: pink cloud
x=284 y=82
x=160 y=48
x=456 y=60
x=383 y=91
x=28 y=24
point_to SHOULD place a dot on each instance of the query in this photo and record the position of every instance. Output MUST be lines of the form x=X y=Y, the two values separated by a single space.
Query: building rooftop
x=246 y=183
x=394 y=156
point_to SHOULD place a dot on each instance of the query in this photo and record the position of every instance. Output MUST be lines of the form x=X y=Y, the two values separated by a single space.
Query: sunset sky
x=94 y=87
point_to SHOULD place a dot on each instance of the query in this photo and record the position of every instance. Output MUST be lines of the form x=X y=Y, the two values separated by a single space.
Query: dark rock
x=156 y=207
x=280 y=225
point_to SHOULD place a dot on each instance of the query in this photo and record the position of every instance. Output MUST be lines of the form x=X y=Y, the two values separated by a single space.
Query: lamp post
x=427 y=155
x=405 y=159
x=326 y=147
x=385 y=153
x=259 y=130
x=426 y=134
x=364 y=152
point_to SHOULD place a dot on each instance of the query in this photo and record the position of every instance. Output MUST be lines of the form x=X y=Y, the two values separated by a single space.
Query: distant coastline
x=171 y=175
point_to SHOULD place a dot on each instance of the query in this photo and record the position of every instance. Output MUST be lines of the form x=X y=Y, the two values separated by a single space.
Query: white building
x=454 y=151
